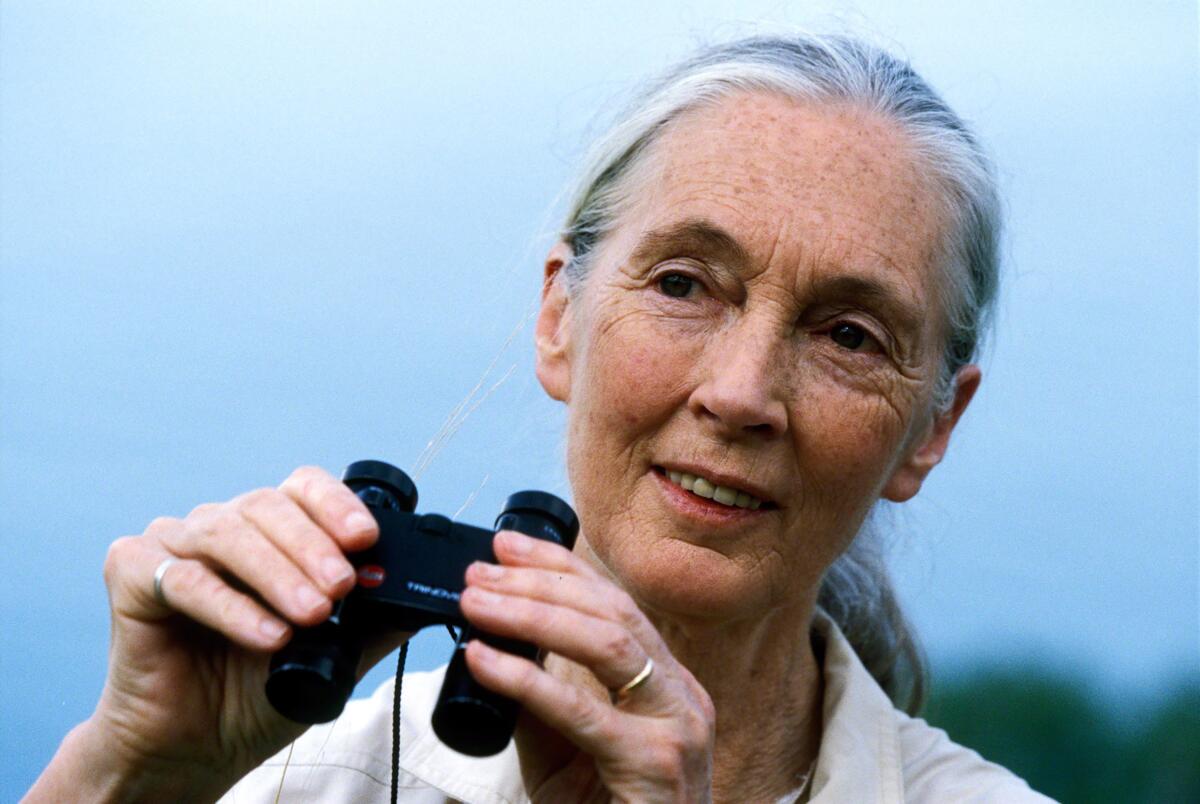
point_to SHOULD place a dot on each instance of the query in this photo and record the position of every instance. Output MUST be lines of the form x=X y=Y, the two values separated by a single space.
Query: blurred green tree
x=1070 y=743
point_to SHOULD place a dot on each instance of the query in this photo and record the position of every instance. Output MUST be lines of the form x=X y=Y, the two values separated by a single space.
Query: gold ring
x=158 y=579
x=637 y=680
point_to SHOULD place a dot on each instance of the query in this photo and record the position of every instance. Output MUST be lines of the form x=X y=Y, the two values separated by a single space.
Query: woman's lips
x=699 y=492
x=703 y=487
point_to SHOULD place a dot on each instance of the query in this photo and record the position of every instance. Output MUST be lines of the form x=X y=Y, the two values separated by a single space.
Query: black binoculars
x=412 y=578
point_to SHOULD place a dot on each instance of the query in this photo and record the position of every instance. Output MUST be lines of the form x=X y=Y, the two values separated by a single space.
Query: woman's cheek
x=851 y=444
x=638 y=371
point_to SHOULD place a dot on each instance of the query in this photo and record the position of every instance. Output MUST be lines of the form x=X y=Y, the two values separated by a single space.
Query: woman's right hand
x=183 y=713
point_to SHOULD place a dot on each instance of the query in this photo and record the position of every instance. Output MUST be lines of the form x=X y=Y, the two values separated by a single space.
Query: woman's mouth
x=709 y=490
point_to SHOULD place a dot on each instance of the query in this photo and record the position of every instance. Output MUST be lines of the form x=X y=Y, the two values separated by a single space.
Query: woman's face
x=763 y=317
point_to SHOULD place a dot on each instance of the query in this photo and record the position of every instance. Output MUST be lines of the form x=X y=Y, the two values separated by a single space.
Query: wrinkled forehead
x=795 y=182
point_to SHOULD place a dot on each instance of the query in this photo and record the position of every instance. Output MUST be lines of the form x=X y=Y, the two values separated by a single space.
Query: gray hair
x=856 y=590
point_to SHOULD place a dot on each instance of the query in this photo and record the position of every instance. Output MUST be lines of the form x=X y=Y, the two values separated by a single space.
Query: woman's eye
x=676 y=285
x=853 y=337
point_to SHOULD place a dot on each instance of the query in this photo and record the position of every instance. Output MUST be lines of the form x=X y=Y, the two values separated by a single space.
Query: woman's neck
x=766 y=684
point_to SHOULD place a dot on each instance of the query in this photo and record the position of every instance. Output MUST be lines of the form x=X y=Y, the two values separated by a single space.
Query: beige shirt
x=870 y=752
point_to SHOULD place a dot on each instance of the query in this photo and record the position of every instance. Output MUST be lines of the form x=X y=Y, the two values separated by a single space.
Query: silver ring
x=158 y=579
x=637 y=680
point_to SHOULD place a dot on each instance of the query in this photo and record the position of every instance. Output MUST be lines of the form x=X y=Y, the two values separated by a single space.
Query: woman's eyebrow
x=691 y=237
x=873 y=293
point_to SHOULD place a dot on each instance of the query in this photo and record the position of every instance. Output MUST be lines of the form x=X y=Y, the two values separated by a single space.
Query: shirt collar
x=860 y=757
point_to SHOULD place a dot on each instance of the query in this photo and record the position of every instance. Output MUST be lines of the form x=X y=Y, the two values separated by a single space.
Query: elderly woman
x=761 y=315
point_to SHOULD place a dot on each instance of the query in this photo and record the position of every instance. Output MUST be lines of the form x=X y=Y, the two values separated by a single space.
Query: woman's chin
x=687 y=582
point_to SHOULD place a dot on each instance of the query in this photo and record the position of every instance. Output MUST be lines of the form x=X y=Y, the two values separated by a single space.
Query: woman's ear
x=553 y=334
x=927 y=453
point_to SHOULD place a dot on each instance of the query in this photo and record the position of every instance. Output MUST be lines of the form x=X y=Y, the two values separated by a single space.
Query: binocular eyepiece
x=412 y=577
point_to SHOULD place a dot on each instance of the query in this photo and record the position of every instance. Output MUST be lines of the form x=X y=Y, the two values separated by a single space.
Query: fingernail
x=336 y=571
x=516 y=542
x=487 y=571
x=358 y=522
x=482 y=650
x=309 y=599
x=271 y=629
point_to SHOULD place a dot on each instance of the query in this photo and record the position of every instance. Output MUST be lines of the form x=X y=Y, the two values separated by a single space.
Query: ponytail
x=857 y=594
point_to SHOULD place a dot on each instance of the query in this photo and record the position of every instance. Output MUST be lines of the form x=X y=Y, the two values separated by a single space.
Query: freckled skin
x=744 y=376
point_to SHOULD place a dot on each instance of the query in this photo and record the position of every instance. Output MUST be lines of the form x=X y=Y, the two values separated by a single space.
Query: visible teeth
x=705 y=488
x=726 y=495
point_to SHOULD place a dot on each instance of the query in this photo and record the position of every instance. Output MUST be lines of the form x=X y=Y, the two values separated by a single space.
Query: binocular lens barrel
x=469 y=717
x=313 y=676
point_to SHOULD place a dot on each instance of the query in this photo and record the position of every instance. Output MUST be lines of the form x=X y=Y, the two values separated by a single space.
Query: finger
x=196 y=591
x=584 y=719
x=223 y=539
x=131 y=560
x=609 y=650
x=591 y=595
x=291 y=530
x=545 y=758
x=332 y=506
x=187 y=587
x=573 y=779
x=518 y=550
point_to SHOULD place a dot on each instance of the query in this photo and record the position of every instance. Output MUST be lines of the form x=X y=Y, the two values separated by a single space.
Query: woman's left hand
x=653 y=743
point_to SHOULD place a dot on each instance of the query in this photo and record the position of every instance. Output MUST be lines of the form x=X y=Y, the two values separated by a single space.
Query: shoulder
x=870 y=751
x=936 y=769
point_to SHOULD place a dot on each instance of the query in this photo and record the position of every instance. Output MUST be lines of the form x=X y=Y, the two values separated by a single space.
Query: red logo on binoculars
x=371 y=575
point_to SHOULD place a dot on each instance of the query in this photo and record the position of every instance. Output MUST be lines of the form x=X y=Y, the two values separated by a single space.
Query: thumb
x=544 y=753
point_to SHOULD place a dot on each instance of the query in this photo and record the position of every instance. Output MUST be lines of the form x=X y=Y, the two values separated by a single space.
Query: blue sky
x=235 y=238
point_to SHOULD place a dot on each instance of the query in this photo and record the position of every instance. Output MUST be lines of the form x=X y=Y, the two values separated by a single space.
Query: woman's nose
x=741 y=391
